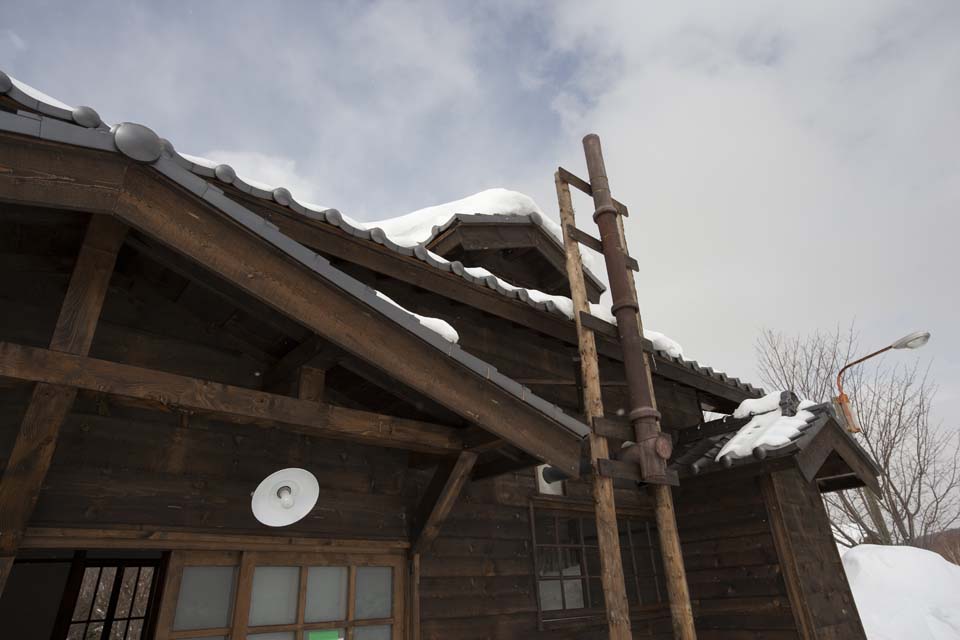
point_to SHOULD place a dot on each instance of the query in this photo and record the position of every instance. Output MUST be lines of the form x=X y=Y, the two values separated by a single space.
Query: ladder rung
x=597 y=325
x=620 y=470
x=616 y=429
x=585 y=238
x=584 y=186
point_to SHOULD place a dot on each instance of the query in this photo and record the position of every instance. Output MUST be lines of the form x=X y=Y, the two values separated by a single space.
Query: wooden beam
x=710 y=429
x=617 y=429
x=440 y=498
x=89 y=180
x=209 y=237
x=162 y=390
x=50 y=403
x=608 y=537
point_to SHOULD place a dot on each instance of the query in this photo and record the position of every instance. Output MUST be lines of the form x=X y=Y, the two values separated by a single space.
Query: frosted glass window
x=274 y=596
x=326 y=594
x=325 y=634
x=277 y=635
x=206 y=597
x=379 y=632
x=374 y=592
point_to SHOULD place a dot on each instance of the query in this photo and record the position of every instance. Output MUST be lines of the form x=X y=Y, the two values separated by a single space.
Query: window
x=567 y=563
x=114 y=600
x=283 y=596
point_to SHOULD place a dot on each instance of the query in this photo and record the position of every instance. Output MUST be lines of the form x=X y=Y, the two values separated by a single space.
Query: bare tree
x=919 y=460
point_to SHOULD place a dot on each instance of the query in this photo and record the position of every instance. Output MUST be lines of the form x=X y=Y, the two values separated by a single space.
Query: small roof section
x=517 y=248
x=823 y=450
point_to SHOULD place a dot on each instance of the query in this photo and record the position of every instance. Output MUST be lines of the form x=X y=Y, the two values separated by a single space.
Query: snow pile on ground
x=444 y=328
x=904 y=593
x=768 y=427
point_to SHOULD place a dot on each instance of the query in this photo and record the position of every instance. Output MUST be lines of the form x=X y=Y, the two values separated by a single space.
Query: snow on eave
x=768 y=427
x=441 y=327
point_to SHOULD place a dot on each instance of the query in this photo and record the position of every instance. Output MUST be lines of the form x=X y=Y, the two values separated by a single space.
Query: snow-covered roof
x=83 y=127
x=771 y=425
x=408 y=226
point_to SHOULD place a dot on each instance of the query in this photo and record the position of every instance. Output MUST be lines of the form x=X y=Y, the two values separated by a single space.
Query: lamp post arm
x=856 y=362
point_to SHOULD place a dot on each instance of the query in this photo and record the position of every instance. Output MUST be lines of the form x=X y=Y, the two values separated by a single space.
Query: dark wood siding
x=806 y=542
x=734 y=574
x=477 y=579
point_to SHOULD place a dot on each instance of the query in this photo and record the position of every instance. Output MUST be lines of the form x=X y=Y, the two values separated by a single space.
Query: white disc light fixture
x=284 y=497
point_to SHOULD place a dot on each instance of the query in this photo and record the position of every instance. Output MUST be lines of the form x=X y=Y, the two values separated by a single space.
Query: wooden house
x=171 y=334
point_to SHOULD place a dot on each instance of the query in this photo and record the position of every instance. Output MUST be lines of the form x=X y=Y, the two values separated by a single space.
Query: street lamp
x=913 y=340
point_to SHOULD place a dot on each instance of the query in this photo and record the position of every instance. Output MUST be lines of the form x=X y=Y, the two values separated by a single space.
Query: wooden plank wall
x=736 y=583
x=477 y=578
x=829 y=609
x=116 y=466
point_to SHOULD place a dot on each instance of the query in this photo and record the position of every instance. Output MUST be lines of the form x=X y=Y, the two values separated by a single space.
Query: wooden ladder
x=646 y=460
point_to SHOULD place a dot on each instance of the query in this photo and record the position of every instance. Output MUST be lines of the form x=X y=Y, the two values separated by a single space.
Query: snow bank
x=768 y=427
x=904 y=593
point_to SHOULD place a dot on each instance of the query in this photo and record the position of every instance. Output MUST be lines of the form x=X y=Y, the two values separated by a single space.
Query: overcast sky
x=792 y=168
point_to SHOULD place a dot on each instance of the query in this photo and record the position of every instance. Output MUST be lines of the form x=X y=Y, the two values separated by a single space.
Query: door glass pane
x=277 y=635
x=326 y=594
x=324 y=634
x=94 y=631
x=76 y=631
x=127 y=586
x=88 y=587
x=136 y=628
x=144 y=584
x=118 y=630
x=379 y=632
x=206 y=597
x=374 y=592
x=104 y=590
x=275 y=596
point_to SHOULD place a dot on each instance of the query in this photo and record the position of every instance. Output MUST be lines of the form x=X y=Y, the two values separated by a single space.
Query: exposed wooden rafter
x=51 y=402
x=159 y=389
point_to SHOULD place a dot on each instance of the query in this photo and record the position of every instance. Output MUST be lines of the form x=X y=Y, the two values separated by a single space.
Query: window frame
x=570 y=509
x=247 y=561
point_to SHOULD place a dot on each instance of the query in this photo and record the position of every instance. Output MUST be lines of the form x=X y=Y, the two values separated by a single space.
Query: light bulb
x=286 y=497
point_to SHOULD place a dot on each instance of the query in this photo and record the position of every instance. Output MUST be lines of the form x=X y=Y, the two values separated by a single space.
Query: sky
x=791 y=167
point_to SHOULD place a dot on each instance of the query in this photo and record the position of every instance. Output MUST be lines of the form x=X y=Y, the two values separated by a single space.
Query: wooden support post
x=440 y=497
x=608 y=539
x=643 y=411
x=311 y=383
x=50 y=403
x=413 y=613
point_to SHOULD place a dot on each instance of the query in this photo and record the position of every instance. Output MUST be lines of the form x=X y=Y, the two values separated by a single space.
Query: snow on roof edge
x=88 y=118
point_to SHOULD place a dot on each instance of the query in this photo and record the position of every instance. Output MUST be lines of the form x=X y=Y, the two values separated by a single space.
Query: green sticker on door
x=325 y=634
